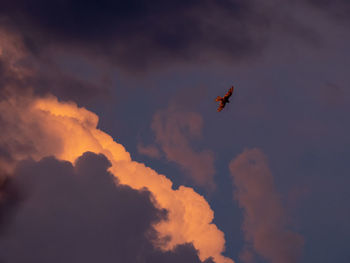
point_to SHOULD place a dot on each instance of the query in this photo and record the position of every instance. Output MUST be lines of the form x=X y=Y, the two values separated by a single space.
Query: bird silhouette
x=224 y=100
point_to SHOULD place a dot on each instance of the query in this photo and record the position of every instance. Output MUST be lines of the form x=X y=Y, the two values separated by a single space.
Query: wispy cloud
x=265 y=221
x=149 y=150
x=174 y=131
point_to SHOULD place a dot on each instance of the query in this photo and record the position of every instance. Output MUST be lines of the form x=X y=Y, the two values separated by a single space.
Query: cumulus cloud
x=265 y=221
x=174 y=129
x=64 y=130
x=79 y=213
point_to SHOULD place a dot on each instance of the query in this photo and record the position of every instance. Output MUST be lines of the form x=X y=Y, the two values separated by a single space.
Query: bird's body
x=225 y=99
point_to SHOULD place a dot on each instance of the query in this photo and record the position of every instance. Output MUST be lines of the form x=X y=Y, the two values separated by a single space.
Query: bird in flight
x=224 y=99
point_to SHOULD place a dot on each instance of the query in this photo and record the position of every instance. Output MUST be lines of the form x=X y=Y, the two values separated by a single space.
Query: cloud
x=174 y=129
x=265 y=220
x=79 y=213
x=135 y=36
x=336 y=9
x=149 y=150
x=10 y=197
x=19 y=126
x=22 y=72
x=138 y=35
x=40 y=127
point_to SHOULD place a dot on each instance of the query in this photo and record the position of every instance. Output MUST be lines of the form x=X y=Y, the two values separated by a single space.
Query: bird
x=224 y=100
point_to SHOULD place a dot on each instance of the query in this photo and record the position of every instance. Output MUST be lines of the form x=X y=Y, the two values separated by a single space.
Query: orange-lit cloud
x=83 y=213
x=36 y=127
x=174 y=130
x=265 y=221
x=49 y=127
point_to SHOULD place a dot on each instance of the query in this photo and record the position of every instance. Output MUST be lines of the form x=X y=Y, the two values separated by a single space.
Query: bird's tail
x=218 y=98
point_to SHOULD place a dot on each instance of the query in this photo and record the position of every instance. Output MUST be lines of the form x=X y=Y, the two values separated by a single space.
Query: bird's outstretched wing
x=221 y=106
x=218 y=98
x=229 y=93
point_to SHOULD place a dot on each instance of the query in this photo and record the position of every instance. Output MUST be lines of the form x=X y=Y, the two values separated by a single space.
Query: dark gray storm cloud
x=81 y=214
x=23 y=73
x=9 y=201
x=38 y=39
x=137 y=34
x=337 y=9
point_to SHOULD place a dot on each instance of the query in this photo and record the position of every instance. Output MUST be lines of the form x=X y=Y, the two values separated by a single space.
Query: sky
x=112 y=150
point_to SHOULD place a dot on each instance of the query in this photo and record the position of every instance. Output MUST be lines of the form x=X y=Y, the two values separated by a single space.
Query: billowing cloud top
x=46 y=127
